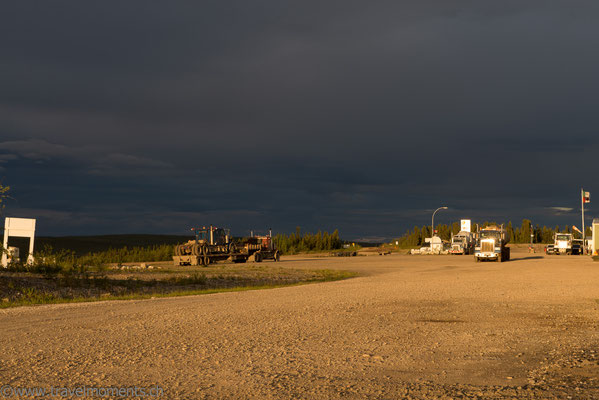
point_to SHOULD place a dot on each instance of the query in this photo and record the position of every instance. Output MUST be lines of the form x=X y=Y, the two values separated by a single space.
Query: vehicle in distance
x=462 y=243
x=577 y=246
x=257 y=247
x=564 y=243
x=215 y=244
x=491 y=244
x=550 y=249
x=210 y=245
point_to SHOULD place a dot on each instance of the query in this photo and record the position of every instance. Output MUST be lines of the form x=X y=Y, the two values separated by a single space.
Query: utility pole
x=582 y=201
x=531 y=235
x=583 y=228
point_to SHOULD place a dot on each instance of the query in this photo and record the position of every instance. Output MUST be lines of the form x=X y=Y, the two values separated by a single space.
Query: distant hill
x=88 y=244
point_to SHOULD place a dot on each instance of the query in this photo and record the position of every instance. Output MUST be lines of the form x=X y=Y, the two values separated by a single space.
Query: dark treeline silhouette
x=416 y=236
x=296 y=242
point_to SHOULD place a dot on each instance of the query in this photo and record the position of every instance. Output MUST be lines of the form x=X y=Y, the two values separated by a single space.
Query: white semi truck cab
x=563 y=243
x=462 y=243
x=491 y=244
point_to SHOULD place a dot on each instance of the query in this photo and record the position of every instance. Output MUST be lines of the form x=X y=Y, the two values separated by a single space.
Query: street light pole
x=583 y=228
x=433 y=221
x=532 y=233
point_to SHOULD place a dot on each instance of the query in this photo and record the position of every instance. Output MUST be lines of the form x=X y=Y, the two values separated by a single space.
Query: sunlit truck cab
x=491 y=244
x=563 y=244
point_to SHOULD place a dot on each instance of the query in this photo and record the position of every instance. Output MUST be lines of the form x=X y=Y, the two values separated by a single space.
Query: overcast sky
x=152 y=117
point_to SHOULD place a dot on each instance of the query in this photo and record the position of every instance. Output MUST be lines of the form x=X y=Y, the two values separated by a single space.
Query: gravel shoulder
x=419 y=326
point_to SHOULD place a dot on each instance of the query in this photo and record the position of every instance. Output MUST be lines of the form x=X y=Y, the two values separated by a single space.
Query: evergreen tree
x=510 y=231
x=3 y=195
x=296 y=242
x=455 y=228
x=525 y=231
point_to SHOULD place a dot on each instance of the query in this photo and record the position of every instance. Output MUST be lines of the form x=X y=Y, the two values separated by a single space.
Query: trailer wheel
x=257 y=257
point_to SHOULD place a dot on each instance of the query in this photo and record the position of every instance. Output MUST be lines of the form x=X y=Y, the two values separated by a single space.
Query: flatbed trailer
x=214 y=244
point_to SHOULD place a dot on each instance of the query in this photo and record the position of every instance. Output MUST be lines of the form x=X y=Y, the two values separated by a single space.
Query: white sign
x=466 y=225
x=20 y=227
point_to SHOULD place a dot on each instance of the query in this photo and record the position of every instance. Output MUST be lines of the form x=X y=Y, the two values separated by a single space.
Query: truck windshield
x=219 y=235
x=563 y=237
x=490 y=234
x=202 y=235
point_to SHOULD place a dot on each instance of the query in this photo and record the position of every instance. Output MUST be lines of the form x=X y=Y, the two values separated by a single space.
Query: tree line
x=415 y=237
x=298 y=242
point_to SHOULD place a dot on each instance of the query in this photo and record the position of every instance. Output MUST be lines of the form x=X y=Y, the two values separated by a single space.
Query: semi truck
x=491 y=244
x=258 y=248
x=564 y=243
x=462 y=243
x=578 y=246
x=210 y=244
x=215 y=244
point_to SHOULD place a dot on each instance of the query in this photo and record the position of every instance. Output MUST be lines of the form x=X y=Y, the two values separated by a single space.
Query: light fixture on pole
x=585 y=198
x=433 y=220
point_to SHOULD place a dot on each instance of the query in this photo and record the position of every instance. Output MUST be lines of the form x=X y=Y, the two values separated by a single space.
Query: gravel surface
x=410 y=327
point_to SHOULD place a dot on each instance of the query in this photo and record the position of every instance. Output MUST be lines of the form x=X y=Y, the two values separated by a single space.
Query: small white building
x=595 y=240
x=436 y=245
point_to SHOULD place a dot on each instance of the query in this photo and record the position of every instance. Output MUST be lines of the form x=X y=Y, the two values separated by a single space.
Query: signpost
x=585 y=197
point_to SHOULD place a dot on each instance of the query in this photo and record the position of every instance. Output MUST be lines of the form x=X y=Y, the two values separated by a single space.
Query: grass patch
x=26 y=289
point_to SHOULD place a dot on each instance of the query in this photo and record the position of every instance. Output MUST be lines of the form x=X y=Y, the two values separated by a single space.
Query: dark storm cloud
x=150 y=117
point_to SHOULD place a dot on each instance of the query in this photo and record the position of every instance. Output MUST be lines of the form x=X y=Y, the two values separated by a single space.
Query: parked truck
x=258 y=248
x=215 y=244
x=564 y=243
x=491 y=244
x=210 y=245
x=578 y=246
x=462 y=243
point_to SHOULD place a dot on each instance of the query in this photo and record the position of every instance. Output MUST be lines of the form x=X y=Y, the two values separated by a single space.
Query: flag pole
x=583 y=228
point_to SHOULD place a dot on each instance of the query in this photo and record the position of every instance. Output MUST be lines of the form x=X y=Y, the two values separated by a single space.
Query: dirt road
x=411 y=326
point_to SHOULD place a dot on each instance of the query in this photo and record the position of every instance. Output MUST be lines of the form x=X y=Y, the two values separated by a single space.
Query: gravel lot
x=409 y=327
